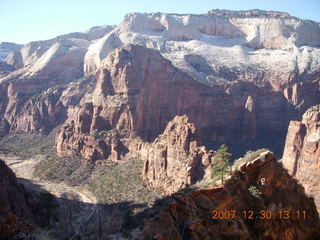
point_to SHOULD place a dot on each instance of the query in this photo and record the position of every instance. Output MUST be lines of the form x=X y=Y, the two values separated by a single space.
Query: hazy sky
x=23 y=21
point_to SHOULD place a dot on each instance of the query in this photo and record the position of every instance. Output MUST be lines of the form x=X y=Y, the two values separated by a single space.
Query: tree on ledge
x=221 y=162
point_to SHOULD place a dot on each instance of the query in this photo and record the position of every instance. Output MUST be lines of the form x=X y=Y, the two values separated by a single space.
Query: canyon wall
x=302 y=151
x=134 y=95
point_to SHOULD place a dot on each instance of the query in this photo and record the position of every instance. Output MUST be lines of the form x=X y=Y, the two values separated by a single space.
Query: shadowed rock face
x=14 y=198
x=302 y=152
x=189 y=215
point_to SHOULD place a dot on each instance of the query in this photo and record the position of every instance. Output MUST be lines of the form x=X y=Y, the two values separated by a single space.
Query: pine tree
x=221 y=162
x=48 y=207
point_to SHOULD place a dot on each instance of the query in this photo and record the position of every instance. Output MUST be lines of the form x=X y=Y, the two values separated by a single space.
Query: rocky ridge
x=190 y=215
x=266 y=47
x=302 y=152
x=115 y=89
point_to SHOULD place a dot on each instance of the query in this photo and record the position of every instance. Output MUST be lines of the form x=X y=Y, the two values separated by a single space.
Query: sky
x=22 y=21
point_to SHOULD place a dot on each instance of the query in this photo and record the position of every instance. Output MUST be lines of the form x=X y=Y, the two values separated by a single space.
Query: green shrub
x=248 y=157
x=29 y=145
x=122 y=182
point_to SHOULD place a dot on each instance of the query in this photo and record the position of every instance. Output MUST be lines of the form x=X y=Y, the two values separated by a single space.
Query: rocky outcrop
x=175 y=159
x=5 y=69
x=302 y=151
x=59 y=47
x=139 y=90
x=176 y=152
x=264 y=186
x=14 y=199
x=266 y=47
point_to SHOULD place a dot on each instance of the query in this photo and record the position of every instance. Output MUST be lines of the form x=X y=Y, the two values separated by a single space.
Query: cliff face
x=302 y=152
x=174 y=160
x=190 y=215
x=138 y=91
x=37 y=105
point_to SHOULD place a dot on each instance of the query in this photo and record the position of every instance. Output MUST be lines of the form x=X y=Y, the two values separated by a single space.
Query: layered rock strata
x=134 y=94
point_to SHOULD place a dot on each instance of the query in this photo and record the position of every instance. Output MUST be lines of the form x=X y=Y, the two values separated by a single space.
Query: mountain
x=251 y=62
x=167 y=88
x=262 y=48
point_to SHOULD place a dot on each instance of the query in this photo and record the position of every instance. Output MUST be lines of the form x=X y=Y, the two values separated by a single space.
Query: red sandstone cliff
x=175 y=159
x=138 y=92
x=302 y=151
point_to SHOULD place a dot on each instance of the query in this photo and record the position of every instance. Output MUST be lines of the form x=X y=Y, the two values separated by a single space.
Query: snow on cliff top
x=229 y=44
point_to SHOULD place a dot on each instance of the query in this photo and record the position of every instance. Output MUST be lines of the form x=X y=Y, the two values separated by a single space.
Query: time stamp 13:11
x=262 y=214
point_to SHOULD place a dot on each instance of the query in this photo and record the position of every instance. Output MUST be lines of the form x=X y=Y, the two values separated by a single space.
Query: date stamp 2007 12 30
x=262 y=214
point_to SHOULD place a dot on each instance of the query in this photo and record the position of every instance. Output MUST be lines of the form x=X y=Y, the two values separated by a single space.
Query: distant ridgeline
x=249 y=13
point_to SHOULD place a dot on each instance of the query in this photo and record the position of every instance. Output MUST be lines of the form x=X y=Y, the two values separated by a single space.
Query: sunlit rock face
x=139 y=91
x=176 y=158
x=302 y=152
x=257 y=46
x=7 y=48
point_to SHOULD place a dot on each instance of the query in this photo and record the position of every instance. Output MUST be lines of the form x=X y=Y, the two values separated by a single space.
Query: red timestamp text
x=260 y=215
